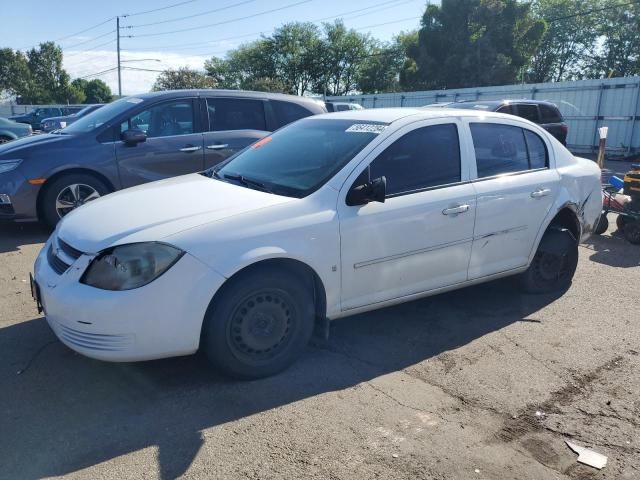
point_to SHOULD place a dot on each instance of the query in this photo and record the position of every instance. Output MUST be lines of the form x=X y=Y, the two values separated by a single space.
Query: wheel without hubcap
x=259 y=323
x=554 y=264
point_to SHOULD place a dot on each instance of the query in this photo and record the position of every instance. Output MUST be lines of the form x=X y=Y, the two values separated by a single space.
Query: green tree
x=379 y=70
x=465 y=43
x=568 y=41
x=97 y=91
x=222 y=73
x=182 y=78
x=14 y=72
x=48 y=81
x=619 y=29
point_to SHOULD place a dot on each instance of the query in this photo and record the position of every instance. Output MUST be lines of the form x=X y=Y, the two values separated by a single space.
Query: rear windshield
x=99 y=117
x=299 y=158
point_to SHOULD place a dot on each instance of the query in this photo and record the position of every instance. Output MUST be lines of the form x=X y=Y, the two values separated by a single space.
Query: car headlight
x=8 y=165
x=130 y=266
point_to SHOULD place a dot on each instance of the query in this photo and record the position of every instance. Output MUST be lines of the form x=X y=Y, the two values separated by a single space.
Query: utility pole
x=118 y=48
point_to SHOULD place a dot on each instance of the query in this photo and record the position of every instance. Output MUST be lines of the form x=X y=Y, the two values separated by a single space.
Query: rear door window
x=502 y=149
x=287 y=112
x=529 y=111
x=510 y=109
x=235 y=114
x=549 y=114
x=423 y=158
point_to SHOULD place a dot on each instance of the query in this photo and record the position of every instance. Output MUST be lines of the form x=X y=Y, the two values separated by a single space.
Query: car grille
x=57 y=264
x=94 y=341
x=69 y=250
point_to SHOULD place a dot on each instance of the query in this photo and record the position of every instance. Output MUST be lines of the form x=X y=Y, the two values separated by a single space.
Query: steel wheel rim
x=552 y=267
x=73 y=196
x=4 y=140
x=261 y=325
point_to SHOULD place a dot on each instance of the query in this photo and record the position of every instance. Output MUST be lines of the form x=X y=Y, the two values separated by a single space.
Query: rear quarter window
x=549 y=114
x=288 y=112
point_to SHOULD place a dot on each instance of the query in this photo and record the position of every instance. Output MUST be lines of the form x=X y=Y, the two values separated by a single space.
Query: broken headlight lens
x=130 y=266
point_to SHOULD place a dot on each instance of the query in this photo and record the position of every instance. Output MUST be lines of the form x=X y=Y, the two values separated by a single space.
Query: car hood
x=156 y=210
x=18 y=146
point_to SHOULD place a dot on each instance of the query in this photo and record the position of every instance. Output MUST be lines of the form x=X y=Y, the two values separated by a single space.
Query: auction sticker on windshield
x=366 y=128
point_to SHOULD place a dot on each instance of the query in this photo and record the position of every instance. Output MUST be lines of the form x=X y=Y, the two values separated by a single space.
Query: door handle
x=540 y=192
x=217 y=146
x=190 y=149
x=456 y=210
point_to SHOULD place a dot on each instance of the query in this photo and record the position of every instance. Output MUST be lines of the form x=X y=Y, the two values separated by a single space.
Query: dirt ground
x=482 y=383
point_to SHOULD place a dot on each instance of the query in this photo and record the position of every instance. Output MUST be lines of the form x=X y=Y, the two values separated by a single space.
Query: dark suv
x=136 y=140
x=35 y=116
x=545 y=114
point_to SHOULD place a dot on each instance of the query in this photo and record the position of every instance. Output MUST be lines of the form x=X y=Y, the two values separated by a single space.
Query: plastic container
x=616 y=182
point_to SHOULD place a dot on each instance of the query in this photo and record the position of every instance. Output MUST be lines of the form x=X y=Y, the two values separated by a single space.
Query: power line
x=158 y=9
x=89 y=41
x=593 y=10
x=191 y=16
x=386 y=23
x=79 y=52
x=200 y=27
x=98 y=73
x=85 y=30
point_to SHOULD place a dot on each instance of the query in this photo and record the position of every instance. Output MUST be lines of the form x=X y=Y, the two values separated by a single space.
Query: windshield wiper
x=247 y=182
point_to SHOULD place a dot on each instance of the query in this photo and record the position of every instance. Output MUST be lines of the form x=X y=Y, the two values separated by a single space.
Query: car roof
x=499 y=103
x=226 y=93
x=390 y=115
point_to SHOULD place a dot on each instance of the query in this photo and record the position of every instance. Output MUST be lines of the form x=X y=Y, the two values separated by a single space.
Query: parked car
x=332 y=215
x=545 y=114
x=342 y=106
x=136 y=140
x=35 y=116
x=10 y=130
x=55 y=123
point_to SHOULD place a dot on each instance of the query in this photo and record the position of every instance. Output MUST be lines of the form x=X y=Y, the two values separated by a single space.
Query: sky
x=86 y=30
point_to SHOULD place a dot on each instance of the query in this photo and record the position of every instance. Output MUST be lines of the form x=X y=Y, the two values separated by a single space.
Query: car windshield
x=102 y=115
x=472 y=106
x=300 y=158
x=83 y=112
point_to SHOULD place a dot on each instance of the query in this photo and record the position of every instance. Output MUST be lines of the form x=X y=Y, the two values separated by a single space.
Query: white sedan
x=333 y=215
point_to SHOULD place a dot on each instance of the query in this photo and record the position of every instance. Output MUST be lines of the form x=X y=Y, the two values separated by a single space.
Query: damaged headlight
x=130 y=266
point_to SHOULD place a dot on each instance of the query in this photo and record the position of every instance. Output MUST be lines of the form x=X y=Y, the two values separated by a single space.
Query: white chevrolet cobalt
x=332 y=215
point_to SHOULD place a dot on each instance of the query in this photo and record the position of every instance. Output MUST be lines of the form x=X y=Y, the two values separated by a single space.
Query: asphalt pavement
x=482 y=383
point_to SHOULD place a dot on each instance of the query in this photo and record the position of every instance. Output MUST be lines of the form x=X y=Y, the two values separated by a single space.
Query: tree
x=619 y=27
x=183 y=78
x=14 y=72
x=48 y=82
x=97 y=91
x=568 y=41
x=465 y=43
x=221 y=72
x=379 y=70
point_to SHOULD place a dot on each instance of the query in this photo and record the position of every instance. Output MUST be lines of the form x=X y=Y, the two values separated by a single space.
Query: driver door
x=173 y=145
x=420 y=238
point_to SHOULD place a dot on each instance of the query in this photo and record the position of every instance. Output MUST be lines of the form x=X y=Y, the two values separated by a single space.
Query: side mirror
x=133 y=136
x=373 y=191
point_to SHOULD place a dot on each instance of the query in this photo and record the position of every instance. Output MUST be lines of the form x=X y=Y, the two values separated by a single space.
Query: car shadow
x=15 y=235
x=613 y=250
x=64 y=412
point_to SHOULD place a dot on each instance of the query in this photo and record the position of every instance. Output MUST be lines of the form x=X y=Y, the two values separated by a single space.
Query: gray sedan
x=10 y=130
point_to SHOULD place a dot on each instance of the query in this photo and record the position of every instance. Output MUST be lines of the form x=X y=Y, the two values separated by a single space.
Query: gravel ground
x=442 y=388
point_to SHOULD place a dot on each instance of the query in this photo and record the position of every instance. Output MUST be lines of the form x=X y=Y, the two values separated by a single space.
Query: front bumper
x=161 y=319
x=23 y=197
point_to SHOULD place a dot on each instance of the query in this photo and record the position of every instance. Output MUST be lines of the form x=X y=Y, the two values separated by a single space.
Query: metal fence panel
x=585 y=104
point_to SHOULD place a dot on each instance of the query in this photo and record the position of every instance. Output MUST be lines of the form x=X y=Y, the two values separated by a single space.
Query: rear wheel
x=68 y=192
x=554 y=264
x=632 y=232
x=259 y=323
x=602 y=225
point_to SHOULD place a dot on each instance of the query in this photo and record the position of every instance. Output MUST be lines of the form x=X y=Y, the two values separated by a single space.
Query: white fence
x=585 y=104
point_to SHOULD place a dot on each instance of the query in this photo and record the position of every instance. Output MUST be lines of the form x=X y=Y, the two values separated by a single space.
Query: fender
x=6 y=133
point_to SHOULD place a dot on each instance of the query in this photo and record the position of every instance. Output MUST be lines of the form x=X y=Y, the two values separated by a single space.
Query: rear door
x=515 y=190
x=173 y=146
x=233 y=124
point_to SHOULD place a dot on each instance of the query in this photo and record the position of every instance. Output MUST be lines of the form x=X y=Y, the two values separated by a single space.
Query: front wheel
x=621 y=221
x=68 y=192
x=602 y=225
x=258 y=324
x=554 y=264
x=632 y=232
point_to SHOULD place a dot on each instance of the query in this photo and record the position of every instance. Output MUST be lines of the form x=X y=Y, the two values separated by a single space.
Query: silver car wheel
x=73 y=196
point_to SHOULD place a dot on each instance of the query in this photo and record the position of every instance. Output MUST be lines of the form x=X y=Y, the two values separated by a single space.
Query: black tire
x=621 y=221
x=602 y=225
x=554 y=264
x=259 y=323
x=48 y=211
x=632 y=232
x=4 y=139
